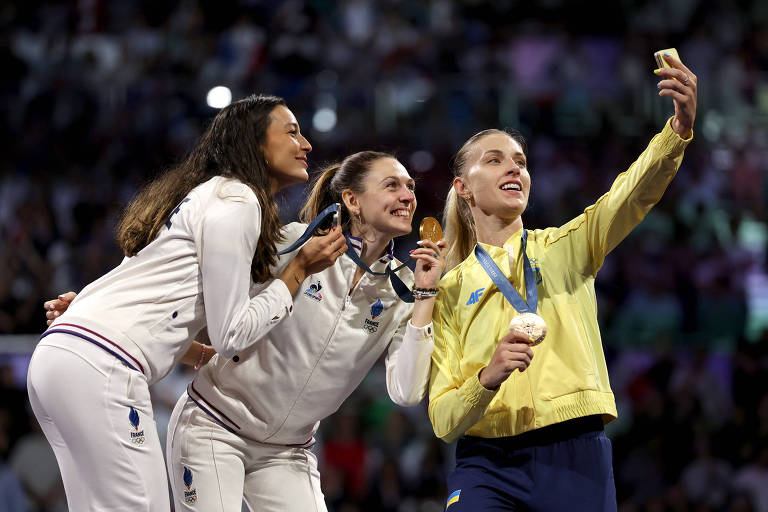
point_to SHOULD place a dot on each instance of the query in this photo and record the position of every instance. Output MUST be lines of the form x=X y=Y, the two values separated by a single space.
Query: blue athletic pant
x=562 y=467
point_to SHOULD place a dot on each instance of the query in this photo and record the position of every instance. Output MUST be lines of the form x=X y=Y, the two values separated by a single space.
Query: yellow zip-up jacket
x=568 y=377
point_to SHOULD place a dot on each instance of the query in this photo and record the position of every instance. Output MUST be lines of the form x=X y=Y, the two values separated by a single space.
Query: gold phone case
x=660 y=62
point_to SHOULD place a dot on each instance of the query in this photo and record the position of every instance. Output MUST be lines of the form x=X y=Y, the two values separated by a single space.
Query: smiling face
x=495 y=180
x=387 y=202
x=285 y=149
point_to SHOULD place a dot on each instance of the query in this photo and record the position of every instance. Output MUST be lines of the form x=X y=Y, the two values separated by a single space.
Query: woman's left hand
x=679 y=83
x=430 y=263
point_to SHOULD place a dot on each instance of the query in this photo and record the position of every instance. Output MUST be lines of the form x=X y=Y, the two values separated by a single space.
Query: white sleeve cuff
x=282 y=306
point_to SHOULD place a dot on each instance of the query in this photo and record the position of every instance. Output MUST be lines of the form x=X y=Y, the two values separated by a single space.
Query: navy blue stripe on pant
x=567 y=466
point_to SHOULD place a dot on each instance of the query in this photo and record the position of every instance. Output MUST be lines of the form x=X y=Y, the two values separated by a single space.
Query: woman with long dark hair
x=195 y=238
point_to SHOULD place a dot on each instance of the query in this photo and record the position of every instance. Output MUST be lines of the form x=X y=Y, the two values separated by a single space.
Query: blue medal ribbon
x=398 y=285
x=503 y=284
x=311 y=228
x=405 y=294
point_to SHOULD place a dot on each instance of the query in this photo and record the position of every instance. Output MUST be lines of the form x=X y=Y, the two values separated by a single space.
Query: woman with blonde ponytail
x=194 y=238
x=246 y=425
x=459 y=229
x=533 y=439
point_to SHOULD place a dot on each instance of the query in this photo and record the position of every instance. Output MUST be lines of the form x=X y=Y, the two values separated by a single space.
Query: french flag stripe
x=86 y=338
x=118 y=347
x=209 y=404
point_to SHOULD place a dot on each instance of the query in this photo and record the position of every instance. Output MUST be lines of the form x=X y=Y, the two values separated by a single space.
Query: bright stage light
x=219 y=97
x=324 y=119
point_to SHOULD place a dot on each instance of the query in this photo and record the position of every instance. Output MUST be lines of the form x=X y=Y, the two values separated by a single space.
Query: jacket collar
x=382 y=263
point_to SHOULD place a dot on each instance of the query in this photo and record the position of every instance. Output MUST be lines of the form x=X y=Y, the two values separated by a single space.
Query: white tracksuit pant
x=212 y=469
x=97 y=416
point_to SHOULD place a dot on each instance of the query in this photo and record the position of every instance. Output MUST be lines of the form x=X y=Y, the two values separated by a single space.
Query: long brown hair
x=232 y=146
x=459 y=225
x=335 y=179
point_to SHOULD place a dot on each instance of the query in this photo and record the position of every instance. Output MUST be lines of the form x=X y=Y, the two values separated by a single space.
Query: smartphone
x=659 y=56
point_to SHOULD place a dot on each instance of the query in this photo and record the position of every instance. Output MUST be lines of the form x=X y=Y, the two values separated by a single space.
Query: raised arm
x=635 y=191
x=408 y=359
x=230 y=232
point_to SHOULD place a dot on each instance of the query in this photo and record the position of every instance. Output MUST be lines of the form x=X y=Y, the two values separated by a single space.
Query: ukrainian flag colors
x=453 y=498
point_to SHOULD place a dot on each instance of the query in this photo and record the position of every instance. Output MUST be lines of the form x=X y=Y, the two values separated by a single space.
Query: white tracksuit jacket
x=278 y=390
x=148 y=309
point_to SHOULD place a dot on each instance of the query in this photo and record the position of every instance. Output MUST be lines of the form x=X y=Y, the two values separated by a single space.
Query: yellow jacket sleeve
x=633 y=193
x=461 y=404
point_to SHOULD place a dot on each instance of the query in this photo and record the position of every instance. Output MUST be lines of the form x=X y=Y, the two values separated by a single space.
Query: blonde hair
x=459 y=229
x=459 y=224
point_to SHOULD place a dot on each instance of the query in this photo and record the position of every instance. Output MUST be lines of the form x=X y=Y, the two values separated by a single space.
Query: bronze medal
x=531 y=325
x=430 y=230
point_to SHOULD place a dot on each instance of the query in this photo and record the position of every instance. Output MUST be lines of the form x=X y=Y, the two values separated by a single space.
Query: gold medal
x=530 y=325
x=430 y=230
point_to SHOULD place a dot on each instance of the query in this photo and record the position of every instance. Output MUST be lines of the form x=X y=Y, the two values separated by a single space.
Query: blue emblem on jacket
x=133 y=417
x=376 y=308
x=187 y=477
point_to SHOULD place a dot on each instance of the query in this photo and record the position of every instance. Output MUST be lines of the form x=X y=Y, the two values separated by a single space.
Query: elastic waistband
x=542 y=436
x=105 y=344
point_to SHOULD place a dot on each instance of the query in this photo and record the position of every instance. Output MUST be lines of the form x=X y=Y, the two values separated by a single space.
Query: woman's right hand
x=55 y=307
x=320 y=252
x=513 y=353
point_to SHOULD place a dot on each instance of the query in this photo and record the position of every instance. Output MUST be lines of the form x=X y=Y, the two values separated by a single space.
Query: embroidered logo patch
x=376 y=309
x=190 y=495
x=536 y=270
x=313 y=292
x=453 y=498
x=474 y=297
x=369 y=324
x=137 y=436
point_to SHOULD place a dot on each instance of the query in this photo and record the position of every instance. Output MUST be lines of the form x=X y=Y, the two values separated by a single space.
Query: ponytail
x=335 y=179
x=459 y=229
x=321 y=195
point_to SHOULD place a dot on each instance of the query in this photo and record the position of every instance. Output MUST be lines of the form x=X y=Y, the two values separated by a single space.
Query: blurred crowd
x=97 y=96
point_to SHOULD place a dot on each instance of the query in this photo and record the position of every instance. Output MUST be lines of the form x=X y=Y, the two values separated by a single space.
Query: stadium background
x=97 y=96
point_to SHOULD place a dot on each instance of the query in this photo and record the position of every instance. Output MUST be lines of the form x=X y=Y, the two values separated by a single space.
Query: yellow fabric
x=568 y=377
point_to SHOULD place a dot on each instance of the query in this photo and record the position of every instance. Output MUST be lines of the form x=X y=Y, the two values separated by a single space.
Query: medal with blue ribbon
x=527 y=321
x=398 y=285
x=405 y=294
x=331 y=210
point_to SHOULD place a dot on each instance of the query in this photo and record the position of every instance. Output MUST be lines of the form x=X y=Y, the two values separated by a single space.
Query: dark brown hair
x=232 y=146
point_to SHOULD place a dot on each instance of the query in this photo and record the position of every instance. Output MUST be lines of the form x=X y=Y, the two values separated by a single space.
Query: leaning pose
x=195 y=237
x=246 y=425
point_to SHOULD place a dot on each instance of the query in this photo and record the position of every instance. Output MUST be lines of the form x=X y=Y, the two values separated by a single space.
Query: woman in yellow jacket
x=533 y=439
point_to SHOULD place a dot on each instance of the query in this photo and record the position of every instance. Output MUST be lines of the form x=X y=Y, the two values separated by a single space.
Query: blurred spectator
x=12 y=497
x=33 y=462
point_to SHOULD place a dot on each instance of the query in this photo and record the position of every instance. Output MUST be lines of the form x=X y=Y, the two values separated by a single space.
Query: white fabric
x=195 y=273
x=83 y=396
x=303 y=369
x=223 y=468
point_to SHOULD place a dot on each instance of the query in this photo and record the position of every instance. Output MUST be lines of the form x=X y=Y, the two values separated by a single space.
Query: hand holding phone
x=679 y=83
x=659 y=56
